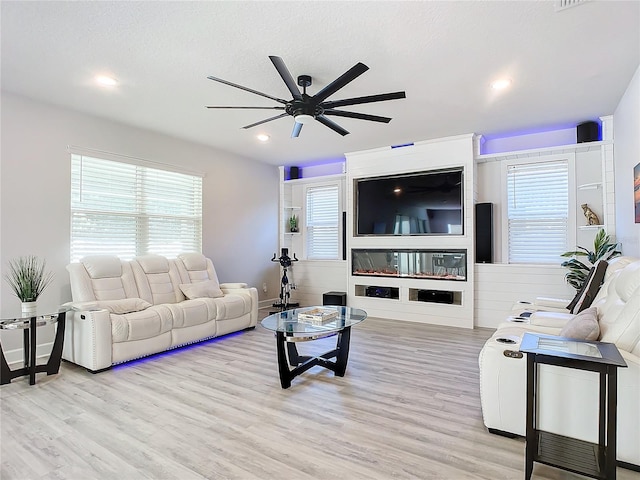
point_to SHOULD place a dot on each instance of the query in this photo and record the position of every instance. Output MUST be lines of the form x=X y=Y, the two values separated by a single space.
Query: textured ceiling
x=567 y=66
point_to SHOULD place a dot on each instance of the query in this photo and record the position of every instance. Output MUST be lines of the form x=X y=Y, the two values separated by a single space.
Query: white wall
x=627 y=155
x=240 y=196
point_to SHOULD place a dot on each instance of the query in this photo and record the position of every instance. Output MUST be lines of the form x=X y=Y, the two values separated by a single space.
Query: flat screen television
x=419 y=203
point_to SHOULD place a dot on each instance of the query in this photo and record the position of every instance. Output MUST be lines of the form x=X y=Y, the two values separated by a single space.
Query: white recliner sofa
x=123 y=310
x=568 y=402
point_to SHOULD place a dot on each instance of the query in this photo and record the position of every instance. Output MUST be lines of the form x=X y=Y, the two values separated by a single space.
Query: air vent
x=564 y=4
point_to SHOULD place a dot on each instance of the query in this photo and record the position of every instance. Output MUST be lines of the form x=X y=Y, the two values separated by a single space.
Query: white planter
x=28 y=309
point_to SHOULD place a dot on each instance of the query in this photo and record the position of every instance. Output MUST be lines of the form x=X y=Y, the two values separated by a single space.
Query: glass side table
x=30 y=326
x=574 y=455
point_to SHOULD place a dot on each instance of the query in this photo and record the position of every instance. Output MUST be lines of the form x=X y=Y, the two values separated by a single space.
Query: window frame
x=570 y=157
x=142 y=196
x=339 y=183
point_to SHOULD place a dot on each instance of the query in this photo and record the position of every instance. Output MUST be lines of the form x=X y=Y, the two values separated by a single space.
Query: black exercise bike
x=285 y=287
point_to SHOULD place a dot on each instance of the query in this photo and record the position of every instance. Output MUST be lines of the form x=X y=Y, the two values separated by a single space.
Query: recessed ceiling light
x=106 y=81
x=501 y=84
x=263 y=137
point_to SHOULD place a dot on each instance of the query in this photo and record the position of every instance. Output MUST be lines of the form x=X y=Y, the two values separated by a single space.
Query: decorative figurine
x=592 y=218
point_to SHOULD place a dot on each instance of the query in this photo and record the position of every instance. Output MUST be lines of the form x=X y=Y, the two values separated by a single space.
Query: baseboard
x=15 y=357
x=267 y=303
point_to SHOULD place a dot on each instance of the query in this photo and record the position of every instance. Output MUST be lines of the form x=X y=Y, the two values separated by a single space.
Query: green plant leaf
x=602 y=249
x=27 y=277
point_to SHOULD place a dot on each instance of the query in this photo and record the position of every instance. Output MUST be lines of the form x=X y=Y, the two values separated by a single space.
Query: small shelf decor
x=28 y=279
x=293 y=224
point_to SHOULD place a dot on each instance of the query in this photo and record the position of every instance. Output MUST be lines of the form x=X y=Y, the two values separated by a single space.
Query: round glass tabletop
x=22 y=321
x=293 y=321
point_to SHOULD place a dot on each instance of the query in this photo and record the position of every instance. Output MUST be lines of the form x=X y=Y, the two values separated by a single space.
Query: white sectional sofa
x=122 y=310
x=568 y=401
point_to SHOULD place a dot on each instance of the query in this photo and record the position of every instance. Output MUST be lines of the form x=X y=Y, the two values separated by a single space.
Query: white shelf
x=590 y=186
x=293 y=208
x=292 y=233
x=536 y=152
x=590 y=227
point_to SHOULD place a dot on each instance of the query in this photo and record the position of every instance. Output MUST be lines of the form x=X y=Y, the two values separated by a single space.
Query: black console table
x=30 y=325
x=585 y=458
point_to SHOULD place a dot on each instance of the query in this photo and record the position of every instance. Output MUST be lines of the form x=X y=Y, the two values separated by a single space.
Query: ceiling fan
x=305 y=108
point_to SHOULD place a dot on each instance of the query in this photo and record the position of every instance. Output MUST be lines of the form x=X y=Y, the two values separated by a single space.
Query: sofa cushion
x=147 y=323
x=157 y=279
x=193 y=261
x=583 y=326
x=102 y=266
x=195 y=267
x=206 y=289
x=126 y=305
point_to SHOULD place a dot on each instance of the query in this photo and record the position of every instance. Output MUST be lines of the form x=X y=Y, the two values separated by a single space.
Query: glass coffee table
x=289 y=329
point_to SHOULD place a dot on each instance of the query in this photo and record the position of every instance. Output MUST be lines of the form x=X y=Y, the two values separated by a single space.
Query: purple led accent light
x=320 y=168
x=174 y=350
x=525 y=139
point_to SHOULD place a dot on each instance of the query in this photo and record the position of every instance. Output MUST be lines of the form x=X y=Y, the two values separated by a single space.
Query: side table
x=574 y=455
x=30 y=326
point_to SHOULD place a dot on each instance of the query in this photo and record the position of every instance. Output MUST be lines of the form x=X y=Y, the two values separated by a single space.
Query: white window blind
x=128 y=210
x=323 y=222
x=538 y=211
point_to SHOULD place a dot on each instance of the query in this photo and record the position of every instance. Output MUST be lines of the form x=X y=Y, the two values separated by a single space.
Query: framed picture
x=636 y=191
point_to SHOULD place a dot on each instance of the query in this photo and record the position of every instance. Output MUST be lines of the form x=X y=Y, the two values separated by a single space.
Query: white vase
x=28 y=309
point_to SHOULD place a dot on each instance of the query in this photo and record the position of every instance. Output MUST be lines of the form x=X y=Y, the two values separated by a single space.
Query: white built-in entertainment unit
x=416 y=262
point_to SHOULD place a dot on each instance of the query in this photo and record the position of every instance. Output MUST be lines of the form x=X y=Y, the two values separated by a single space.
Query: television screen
x=421 y=203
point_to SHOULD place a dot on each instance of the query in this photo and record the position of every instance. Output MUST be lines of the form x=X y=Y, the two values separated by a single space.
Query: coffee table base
x=286 y=346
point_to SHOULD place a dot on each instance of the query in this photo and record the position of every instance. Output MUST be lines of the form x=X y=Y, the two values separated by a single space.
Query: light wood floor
x=408 y=407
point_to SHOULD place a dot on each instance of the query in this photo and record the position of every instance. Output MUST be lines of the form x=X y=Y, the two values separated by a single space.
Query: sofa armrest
x=82 y=306
x=550 y=319
x=560 y=303
x=232 y=286
x=87 y=338
x=244 y=289
x=542 y=304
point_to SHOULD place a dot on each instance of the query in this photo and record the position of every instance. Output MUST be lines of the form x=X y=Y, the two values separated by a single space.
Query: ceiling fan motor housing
x=304 y=81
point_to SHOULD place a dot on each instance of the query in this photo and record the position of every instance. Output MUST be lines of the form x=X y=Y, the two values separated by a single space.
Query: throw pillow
x=591 y=287
x=206 y=289
x=125 y=305
x=583 y=326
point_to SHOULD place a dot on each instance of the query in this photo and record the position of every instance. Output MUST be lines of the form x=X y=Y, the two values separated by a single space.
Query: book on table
x=317 y=315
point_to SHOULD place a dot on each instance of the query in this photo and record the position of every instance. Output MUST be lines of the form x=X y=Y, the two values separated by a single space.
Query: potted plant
x=578 y=271
x=28 y=279
x=293 y=224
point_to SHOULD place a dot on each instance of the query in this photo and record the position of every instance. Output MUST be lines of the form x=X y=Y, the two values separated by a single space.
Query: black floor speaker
x=484 y=233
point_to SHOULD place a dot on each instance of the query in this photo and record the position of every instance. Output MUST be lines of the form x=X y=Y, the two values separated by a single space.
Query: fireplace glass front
x=431 y=264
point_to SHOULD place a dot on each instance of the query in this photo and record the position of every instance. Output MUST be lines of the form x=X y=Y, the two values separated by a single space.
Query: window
x=127 y=209
x=538 y=223
x=323 y=222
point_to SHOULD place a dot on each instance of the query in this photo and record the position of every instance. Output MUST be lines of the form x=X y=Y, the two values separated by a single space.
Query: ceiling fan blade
x=350 y=75
x=296 y=130
x=286 y=76
x=332 y=125
x=267 y=120
x=246 y=89
x=359 y=116
x=368 y=99
x=246 y=108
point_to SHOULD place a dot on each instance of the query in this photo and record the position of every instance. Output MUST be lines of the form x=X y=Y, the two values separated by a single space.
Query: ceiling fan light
x=303 y=118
